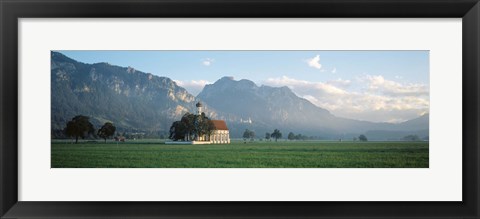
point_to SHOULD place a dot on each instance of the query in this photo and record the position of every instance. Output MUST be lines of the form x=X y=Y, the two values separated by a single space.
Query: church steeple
x=199 y=108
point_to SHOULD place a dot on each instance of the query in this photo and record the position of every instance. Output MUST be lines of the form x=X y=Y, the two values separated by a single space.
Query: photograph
x=209 y=109
x=240 y=108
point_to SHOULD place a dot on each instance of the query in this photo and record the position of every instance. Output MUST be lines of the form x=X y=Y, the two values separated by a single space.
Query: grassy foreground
x=282 y=154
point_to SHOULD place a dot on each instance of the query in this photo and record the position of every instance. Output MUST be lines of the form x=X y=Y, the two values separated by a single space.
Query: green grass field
x=282 y=154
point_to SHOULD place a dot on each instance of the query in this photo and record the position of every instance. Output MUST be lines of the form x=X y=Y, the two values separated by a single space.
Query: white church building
x=220 y=133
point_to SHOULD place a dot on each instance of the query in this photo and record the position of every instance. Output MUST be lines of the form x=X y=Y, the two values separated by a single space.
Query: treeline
x=248 y=134
x=275 y=135
x=126 y=133
x=81 y=127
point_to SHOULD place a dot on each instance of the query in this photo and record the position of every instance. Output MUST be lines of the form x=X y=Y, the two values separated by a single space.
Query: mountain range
x=136 y=101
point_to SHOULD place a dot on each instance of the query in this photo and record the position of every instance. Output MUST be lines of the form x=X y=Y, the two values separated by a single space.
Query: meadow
x=258 y=154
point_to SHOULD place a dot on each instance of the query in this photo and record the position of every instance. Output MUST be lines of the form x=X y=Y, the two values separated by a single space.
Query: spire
x=199 y=108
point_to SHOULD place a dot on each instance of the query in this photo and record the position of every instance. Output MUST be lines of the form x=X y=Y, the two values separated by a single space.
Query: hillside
x=131 y=99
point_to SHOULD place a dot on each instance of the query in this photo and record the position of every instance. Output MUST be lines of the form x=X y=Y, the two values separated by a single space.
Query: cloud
x=207 y=62
x=380 y=100
x=334 y=70
x=304 y=86
x=379 y=84
x=340 y=83
x=193 y=87
x=314 y=62
x=310 y=98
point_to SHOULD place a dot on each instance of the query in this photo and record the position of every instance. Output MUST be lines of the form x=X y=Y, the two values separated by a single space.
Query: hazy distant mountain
x=265 y=108
x=141 y=102
x=418 y=126
x=421 y=122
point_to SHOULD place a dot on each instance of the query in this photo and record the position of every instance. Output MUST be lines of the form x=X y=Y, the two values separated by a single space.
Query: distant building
x=119 y=138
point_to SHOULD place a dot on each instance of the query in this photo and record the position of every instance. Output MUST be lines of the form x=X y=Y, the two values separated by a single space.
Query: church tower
x=199 y=108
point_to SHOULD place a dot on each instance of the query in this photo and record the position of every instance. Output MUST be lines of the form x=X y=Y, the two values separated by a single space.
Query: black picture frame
x=12 y=10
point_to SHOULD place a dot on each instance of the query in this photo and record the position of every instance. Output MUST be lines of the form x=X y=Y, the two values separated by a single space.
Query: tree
x=190 y=127
x=177 y=131
x=362 y=138
x=188 y=122
x=79 y=126
x=203 y=125
x=248 y=134
x=411 y=138
x=107 y=130
x=252 y=135
x=267 y=136
x=276 y=134
x=291 y=136
x=301 y=137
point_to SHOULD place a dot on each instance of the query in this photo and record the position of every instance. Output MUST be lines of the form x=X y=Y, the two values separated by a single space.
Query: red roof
x=220 y=125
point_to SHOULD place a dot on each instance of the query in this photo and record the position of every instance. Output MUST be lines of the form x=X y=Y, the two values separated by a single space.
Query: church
x=219 y=135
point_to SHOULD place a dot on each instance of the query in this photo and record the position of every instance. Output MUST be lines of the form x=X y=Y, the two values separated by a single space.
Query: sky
x=378 y=86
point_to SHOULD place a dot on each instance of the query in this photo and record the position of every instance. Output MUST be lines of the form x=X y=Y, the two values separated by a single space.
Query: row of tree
x=248 y=134
x=80 y=127
x=190 y=127
x=276 y=134
x=292 y=136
